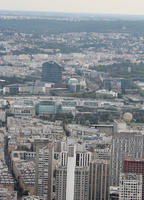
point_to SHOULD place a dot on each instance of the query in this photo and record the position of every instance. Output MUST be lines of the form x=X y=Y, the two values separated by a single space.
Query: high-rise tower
x=51 y=72
x=124 y=145
x=44 y=172
x=72 y=175
x=99 y=180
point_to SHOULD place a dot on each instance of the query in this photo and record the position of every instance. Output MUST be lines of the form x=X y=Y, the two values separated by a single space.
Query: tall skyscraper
x=51 y=72
x=99 y=180
x=81 y=184
x=124 y=145
x=61 y=180
x=130 y=186
x=135 y=166
x=72 y=175
x=44 y=172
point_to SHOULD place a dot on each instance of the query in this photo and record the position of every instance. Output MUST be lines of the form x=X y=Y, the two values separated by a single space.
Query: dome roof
x=73 y=81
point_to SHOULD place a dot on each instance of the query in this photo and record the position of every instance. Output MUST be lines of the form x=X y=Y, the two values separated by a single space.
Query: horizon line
x=64 y=12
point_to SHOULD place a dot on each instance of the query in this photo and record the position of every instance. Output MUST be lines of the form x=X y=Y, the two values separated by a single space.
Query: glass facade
x=51 y=72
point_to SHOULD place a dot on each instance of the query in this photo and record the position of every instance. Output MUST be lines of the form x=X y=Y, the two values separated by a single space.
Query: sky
x=78 y=6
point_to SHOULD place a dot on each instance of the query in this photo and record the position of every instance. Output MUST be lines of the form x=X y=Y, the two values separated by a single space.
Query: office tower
x=130 y=186
x=51 y=72
x=135 y=166
x=72 y=177
x=81 y=184
x=44 y=172
x=99 y=180
x=83 y=159
x=124 y=145
x=70 y=173
x=61 y=179
x=117 y=83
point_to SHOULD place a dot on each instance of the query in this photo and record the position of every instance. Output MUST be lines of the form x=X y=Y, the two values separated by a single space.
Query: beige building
x=6 y=179
x=24 y=172
x=99 y=180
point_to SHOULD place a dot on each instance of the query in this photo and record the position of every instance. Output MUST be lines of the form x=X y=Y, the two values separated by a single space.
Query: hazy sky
x=89 y=6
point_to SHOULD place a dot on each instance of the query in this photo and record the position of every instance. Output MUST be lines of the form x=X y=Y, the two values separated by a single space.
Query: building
x=130 y=186
x=61 y=179
x=99 y=180
x=105 y=128
x=106 y=94
x=51 y=72
x=80 y=191
x=81 y=184
x=73 y=85
x=24 y=172
x=120 y=126
x=48 y=108
x=124 y=145
x=135 y=166
x=23 y=108
x=40 y=143
x=11 y=89
x=72 y=174
x=6 y=179
x=32 y=198
x=114 y=193
x=117 y=83
x=5 y=194
x=22 y=155
x=103 y=154
x=44 y=172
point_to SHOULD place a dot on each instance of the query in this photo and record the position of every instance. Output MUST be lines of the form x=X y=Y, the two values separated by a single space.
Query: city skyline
x=93 y=6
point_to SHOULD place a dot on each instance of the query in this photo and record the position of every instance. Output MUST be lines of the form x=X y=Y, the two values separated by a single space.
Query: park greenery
x=120 y=70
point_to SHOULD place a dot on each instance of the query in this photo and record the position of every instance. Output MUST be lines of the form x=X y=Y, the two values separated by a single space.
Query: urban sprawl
x=71 y=108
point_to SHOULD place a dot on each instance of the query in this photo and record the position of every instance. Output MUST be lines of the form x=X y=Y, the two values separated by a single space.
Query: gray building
x=51 y=72
x=124 y=145
x=44 y=172
x=81 y=183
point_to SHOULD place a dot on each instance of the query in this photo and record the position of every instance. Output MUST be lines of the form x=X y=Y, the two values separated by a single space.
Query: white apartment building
x=130 y=186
